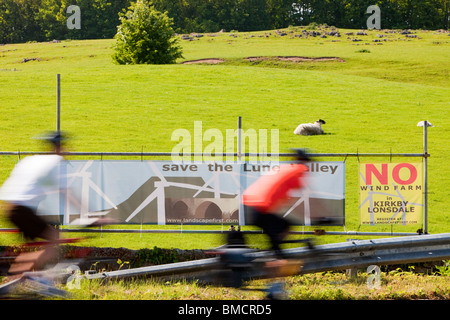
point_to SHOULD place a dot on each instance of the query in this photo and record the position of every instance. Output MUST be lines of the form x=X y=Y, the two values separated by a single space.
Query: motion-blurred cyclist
x=269 y=193
x=23 y=191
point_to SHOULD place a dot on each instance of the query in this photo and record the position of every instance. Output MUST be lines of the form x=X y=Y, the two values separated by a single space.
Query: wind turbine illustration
x=159 y=193
x=86 y=185
x=305 y=196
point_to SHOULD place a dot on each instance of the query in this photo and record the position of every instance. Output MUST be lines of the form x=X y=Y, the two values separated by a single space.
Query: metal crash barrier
x=328 y=257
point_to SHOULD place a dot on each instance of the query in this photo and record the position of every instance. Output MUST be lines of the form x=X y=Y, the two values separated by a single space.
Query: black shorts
x=272 y=224
x=26 y=220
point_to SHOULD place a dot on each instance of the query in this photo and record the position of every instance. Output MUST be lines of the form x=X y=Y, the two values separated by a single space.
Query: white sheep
x=309 y=129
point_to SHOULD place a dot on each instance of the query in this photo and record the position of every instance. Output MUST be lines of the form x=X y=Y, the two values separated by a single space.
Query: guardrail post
x=351 y=273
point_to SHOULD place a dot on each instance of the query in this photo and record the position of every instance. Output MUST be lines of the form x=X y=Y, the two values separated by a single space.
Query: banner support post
x=58 y=102
x=241 y=178
x=425 y=177
x=239 y=142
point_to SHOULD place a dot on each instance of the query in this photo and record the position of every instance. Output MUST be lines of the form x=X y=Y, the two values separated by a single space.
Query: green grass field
x=371 y=102
x=396 y=285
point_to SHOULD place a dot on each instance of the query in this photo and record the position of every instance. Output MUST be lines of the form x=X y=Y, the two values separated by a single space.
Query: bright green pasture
x=371 y=102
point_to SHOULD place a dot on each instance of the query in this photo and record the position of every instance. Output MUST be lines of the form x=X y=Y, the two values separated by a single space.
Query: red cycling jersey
x=271 y=190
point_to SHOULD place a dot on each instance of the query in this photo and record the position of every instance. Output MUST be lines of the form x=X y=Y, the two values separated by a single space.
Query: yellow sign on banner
x=391 y=193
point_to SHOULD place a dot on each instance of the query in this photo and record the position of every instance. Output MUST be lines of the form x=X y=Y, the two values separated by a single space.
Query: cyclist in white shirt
x=23 y=191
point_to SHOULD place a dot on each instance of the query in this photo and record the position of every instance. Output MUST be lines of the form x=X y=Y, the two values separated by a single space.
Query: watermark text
x=213 y=145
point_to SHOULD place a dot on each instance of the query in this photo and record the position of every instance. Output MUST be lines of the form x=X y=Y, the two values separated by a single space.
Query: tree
x=52 y=19
x=18 y=22
x=99 y=18
x=145 y=36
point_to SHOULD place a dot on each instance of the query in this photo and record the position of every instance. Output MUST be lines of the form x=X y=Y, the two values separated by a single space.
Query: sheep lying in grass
x=310 y=129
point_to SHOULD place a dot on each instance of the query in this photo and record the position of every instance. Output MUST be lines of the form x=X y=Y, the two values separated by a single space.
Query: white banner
x=163 y=192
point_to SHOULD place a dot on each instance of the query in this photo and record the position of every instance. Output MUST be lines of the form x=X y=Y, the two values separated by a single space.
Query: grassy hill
x=372 y=97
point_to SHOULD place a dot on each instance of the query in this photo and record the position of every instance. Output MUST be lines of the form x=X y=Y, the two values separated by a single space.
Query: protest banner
x=164 y=192
x=391 y=193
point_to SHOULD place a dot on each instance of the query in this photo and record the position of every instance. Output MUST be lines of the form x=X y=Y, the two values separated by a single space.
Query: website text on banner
x=391 y=193
x=162 y=192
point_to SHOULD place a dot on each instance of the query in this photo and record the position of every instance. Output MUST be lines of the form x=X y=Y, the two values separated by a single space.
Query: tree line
x=45 y=20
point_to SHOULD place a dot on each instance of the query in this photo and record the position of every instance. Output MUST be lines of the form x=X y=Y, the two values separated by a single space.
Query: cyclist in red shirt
x=269 y=193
